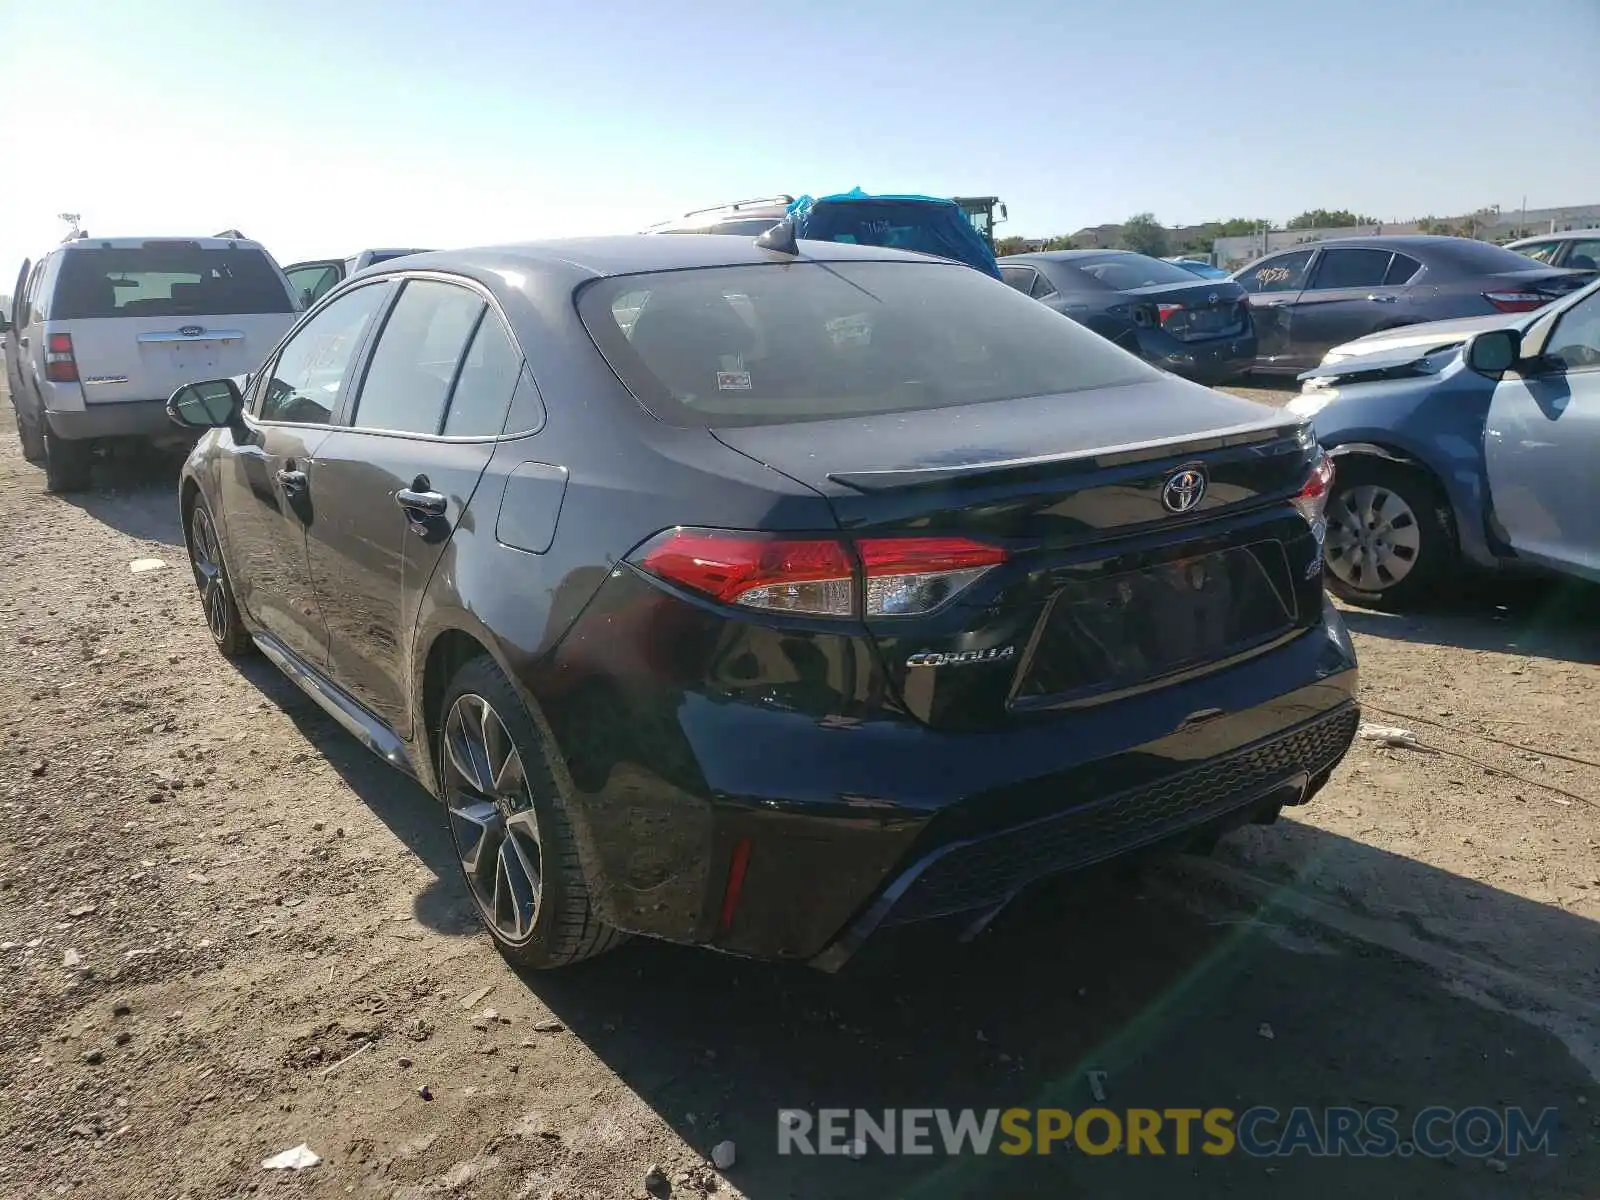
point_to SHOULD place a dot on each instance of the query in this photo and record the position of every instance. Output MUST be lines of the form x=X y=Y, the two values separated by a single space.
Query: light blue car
x=1466 y=443
x=1200 y=267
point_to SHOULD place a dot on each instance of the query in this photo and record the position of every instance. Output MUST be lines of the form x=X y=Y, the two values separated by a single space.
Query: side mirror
x=1494 y=352
x=208 y=405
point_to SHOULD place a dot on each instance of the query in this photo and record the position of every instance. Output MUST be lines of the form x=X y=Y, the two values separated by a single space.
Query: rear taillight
x=1313 y=498
x=827 y=577
x=1514 y=302
x=59 y=364
x=1165 y=312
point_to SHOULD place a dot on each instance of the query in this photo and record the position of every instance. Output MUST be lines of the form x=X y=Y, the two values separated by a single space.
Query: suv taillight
x=59 y=364
x=829 y=577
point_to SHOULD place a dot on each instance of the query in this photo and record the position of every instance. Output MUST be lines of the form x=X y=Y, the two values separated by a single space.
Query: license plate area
x=1210 y=323
x=1114 y=632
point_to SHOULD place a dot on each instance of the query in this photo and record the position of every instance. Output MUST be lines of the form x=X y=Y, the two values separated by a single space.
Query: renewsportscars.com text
x=1260 y=1132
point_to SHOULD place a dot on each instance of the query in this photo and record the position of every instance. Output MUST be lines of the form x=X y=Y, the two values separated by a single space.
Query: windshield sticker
x=733 y=381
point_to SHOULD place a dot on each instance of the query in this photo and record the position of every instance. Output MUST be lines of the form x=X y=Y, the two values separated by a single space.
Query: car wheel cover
x=492 y=818
x=206 y=558
x=1374 y=538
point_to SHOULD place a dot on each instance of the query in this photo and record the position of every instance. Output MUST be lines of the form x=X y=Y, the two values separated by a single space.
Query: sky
x=320 y=127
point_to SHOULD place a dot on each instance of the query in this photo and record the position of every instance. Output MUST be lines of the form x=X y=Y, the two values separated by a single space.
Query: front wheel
x=1389 y=539
x=510 y=827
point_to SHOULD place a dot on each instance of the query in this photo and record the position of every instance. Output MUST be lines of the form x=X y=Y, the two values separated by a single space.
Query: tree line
x=1144 y=234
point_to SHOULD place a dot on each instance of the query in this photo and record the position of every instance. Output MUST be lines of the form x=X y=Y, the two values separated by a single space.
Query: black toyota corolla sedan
x=761 y=600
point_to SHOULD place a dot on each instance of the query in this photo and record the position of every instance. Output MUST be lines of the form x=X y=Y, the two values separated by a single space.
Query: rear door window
x=309 y=375
x=1403 y=269
x=1280 y=273
x=1042 y=287
x=487 y=378
x=1020 y=278
x=167 y=279
x=416 y=358
x=1351 y=268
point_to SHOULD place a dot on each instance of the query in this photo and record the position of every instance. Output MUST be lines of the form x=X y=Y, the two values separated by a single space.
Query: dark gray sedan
x=1311 y=298
x=1197 y=328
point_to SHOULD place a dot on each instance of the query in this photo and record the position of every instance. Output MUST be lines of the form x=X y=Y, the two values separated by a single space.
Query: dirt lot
x=225 y=930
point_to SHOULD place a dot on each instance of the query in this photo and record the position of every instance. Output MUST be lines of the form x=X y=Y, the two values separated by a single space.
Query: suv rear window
x=776 y=343
x=166 y=279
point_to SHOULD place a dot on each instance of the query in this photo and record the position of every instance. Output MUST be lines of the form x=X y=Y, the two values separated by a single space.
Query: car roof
x=1565 y=235
x=136 y=243
x=629 y=254
x=1069 y=255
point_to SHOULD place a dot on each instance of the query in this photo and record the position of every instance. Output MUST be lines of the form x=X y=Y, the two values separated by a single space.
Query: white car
x=104 y=330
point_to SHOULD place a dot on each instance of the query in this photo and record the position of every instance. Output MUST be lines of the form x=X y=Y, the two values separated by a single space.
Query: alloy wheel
x=207 y=561
x=492 y=817
x=1373 y=537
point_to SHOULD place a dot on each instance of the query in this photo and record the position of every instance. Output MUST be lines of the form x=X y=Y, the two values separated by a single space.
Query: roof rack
x=759 y=202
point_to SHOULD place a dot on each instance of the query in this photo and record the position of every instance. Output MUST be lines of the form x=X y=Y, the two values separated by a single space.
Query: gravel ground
x=225 y=930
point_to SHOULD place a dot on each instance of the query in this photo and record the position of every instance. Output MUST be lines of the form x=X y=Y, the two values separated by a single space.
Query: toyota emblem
x=1213 y=298
x=1184 y=489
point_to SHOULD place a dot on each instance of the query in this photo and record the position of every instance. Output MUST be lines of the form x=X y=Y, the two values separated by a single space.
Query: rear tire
x=509 y=823
x=1390 y=542
x=66 y=463
x=31 y=437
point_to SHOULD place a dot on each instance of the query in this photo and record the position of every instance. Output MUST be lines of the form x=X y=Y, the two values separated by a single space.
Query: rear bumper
x=129 y=418
x=983 y=874
x=836 y=826
x=1203 y=362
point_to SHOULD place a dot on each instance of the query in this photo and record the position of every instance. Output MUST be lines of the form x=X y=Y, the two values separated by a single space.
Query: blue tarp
x=927 y=224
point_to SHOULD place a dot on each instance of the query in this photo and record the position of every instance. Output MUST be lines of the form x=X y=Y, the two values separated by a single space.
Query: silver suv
x=103 y=330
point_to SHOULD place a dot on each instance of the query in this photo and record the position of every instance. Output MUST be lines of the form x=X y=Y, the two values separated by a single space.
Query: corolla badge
x=1184 y=489
x=961 y=658
x=191 y=330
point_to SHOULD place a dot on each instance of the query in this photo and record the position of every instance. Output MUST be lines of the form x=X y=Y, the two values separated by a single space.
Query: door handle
x=421 y=503
x=292 y=480
x=1381 y=299
x=23 y=342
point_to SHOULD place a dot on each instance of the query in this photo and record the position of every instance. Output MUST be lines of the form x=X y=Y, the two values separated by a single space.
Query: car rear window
x=1123 y=272
x=1472 y=257
x=777 y=343
x=167 y=279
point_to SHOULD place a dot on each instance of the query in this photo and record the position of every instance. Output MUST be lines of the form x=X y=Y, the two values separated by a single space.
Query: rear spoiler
x=1096 y=459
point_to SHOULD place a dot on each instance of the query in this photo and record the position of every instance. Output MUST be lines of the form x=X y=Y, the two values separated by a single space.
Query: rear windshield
x=167 y=279
x=776 y=343
x=1123 y=272
x=1470 y=257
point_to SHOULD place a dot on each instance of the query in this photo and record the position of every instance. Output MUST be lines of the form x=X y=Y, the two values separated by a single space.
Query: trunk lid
x=1550 y=281
x=1195 y=312
x=1107 y=590
x=149 y=358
